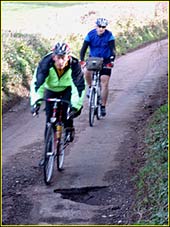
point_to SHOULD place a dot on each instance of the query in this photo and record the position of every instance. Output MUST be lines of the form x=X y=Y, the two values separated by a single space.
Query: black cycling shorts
x=105 y=71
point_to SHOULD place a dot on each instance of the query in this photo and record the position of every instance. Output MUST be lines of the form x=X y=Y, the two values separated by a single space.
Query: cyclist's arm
x=78 y=84
x=83 y=50
x=76 y=100
x=40 y=74
x=112 y=47
x=77 y=76
x=43 y=70
x=35 y=93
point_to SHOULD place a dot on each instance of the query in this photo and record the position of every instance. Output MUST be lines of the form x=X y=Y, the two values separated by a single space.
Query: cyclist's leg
x=105 y=77
x=88 y=78
x=69 y=130
x=49 y=107
x=87 y=75
x=104 y=88
x=68 y=123
x=69 y=126
x=66 y=95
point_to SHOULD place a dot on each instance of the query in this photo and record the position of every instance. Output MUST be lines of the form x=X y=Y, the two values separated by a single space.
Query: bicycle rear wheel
x=60 y=150
x=92 y=107
x=49 y=155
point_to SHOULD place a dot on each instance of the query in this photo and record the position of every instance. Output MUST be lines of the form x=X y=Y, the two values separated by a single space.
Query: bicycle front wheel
x=49 y=155
x=60 y=149
x=92 y=107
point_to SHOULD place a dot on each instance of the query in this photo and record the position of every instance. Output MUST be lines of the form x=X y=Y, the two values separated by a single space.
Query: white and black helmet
x=61 y=49
x=102 y=22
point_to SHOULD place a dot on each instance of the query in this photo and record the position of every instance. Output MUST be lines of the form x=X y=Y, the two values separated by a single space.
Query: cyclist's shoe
x=69 y=134
x=103 y=111
x=88 y=92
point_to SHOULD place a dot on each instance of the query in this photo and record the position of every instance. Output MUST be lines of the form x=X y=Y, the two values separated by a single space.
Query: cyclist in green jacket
x=59 y=75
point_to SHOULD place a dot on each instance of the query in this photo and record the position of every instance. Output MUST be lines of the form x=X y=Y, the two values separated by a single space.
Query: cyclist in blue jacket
x=101 y=43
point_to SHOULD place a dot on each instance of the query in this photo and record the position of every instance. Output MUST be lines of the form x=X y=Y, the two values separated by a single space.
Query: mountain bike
x=55 y=141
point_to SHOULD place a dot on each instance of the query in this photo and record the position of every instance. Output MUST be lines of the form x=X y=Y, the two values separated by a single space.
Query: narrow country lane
x=91 y=162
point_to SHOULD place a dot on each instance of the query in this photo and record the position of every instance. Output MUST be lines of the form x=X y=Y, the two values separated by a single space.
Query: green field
x=22 y=6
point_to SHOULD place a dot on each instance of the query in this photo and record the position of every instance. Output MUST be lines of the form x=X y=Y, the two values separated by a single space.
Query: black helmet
x=61 y=49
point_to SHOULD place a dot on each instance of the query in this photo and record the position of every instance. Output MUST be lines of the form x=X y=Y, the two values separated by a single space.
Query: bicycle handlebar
x=51 y=100
x=108 y=65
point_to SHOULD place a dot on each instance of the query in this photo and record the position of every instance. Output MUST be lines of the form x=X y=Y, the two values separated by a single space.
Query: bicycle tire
x=99 y=104
x=92 y=107
x=98 y=111
x=60 y=151
x=49 y=155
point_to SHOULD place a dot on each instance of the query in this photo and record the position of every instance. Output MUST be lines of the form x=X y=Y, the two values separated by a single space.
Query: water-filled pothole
x=88 y=195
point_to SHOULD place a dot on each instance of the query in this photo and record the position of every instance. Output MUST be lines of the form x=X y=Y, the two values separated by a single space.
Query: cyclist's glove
x=35 y=109
x=74 y=112
x=112 y=58
x=82 y=63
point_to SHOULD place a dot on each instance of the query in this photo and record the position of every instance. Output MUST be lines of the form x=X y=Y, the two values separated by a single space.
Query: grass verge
x=152 y=179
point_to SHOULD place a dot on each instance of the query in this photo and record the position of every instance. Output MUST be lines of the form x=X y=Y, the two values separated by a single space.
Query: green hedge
x=22 y=52
x=132 y=36
x=20 y=55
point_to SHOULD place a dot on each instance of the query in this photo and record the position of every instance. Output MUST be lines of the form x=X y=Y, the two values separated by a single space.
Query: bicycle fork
x=93 y=97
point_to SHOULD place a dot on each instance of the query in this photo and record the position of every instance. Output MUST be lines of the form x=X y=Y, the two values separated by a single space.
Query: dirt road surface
x=96 y=186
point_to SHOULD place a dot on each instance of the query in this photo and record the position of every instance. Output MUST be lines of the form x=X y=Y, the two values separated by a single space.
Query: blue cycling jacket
x=99 y=44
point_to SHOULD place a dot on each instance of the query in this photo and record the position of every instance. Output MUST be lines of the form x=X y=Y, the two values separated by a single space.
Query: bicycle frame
x=58 y=123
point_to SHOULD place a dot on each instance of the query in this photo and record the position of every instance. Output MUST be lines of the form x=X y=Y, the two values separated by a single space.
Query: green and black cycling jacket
x=46 y=77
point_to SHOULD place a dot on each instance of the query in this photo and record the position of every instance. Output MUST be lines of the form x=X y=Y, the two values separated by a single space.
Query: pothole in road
x=87 y=195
